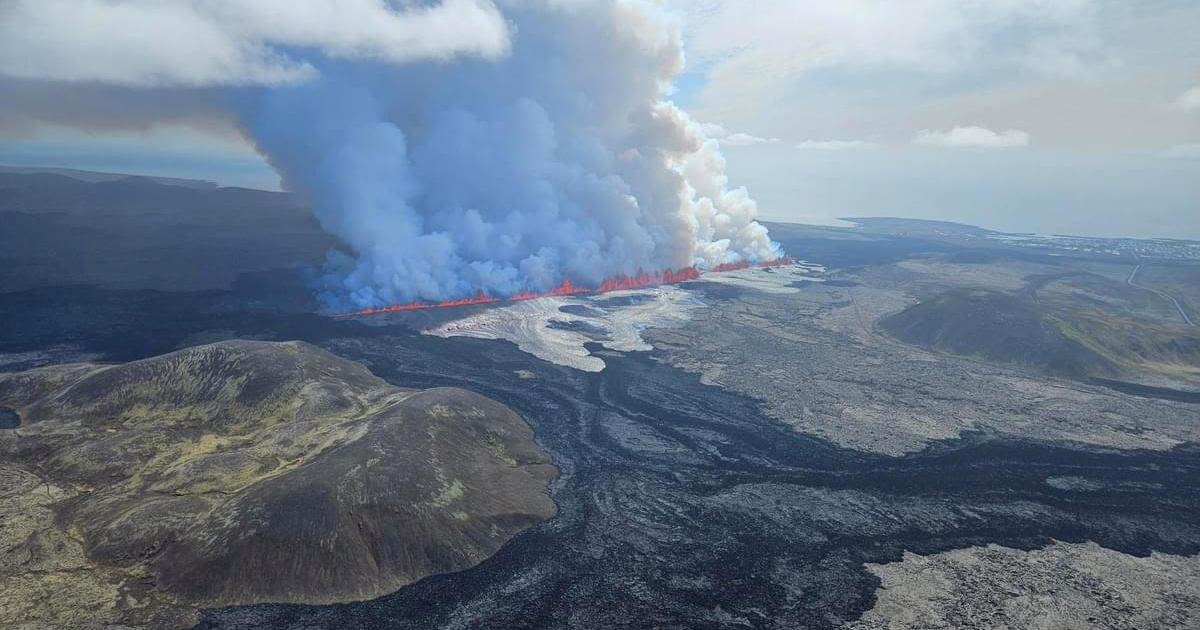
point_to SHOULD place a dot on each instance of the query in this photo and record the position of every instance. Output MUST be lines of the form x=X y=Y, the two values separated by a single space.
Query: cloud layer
x=1189 y=101
x=746 y=139
x=971 y=136
x=231 y=42
x=755 y=53
x=1182 y=152
x=835 y=145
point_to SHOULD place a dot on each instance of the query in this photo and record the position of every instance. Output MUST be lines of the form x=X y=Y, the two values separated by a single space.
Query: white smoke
x=558 y=160
x=531 y=146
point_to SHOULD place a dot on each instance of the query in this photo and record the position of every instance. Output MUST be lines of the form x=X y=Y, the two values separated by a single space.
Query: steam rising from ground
x=557 y=160
x=456 y=146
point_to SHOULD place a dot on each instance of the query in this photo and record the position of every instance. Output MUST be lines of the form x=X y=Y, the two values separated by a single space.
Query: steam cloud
x=494 y=166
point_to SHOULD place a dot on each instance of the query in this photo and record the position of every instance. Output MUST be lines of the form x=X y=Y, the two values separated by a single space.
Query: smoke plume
x=498 y=147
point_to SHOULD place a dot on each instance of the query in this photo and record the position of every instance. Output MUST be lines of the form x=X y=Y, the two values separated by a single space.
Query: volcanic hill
x=997 y=326
x=246 y=472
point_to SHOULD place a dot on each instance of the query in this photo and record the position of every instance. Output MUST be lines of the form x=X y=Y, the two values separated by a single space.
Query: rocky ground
x=816 y=360
x=245 y=472
x=1069 y=586
x=762 y=456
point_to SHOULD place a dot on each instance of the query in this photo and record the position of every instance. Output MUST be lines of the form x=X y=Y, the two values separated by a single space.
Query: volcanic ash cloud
x=457 y=147
x=557 y=160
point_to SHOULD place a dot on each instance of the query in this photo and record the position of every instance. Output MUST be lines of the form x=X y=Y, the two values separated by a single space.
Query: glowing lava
x=612 y=283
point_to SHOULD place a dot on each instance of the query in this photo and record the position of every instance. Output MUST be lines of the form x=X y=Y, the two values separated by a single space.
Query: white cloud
x=755 y=52
x=719 y=132
x=836 y=145
x=1182 y=152
x=230 y=42
x=978 y=137
x=745 y=139
x=1188 y=101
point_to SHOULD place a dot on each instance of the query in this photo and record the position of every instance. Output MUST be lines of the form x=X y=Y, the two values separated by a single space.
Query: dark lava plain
x=9 y=418
x=680 y=504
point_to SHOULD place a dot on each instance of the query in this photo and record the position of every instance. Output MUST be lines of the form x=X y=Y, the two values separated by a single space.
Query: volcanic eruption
x=608 y=285
x=555 y=166
x=460 y=149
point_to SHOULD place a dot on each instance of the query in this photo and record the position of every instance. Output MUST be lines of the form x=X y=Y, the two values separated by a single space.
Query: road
x=1178 y=307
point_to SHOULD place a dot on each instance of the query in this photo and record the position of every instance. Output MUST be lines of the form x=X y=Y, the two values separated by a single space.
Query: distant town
x=1161 y=249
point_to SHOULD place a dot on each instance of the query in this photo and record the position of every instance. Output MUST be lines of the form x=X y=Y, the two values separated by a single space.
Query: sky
x=1046 y=116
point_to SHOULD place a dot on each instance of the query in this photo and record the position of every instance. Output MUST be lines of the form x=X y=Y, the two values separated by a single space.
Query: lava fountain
x=608 y=285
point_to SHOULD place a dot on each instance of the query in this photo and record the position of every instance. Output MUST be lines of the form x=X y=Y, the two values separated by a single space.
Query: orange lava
x=733 y=266
x=612 y=283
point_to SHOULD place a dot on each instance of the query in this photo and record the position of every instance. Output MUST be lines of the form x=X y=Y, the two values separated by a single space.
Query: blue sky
x=1079 y=116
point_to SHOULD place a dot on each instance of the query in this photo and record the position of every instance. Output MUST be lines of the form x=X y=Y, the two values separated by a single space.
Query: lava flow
x=609 y=284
